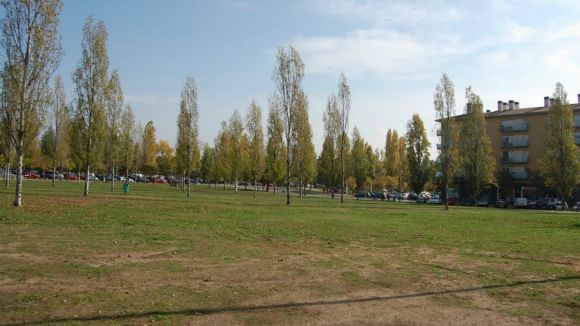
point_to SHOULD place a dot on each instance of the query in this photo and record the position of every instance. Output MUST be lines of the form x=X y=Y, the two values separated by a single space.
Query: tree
x=287 y=78
x=6 y=148
x=303 y=154
x=391 y=152
x=236 y=132
x=32 y=52
x=418 y=154
x=256 y=142
x=90 y=79
x=343 y=102
x=208 y=162
x=149 y=145
x=164 y=157
x=560 y=166
x=329 y=156
x=401 y=163
x=222 y=148
x=275 y=149
x=360 y=164
x=476 y=152
x=60 y=121
x=444 y=102
x=126 y=138
x=187 y=129
x=113 y=111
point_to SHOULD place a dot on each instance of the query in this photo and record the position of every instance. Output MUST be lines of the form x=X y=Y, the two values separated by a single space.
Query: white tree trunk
x=19 y=175
x=86 y=193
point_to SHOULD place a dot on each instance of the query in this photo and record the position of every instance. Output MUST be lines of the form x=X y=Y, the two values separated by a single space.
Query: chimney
x=551 y=102
x=500 y=104
x=578 y=98
x=511 y=104
x=505 y=106
x=546 y=101
x=516 y=105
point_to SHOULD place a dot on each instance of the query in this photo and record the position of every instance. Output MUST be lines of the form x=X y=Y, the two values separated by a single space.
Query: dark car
x=467 y=202
x=501 y=204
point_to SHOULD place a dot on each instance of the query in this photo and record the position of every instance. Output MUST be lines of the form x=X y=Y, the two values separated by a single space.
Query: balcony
x=577 y=121
x=514 y=160
x=515 y=143
x=519 y=174
x=514 y=127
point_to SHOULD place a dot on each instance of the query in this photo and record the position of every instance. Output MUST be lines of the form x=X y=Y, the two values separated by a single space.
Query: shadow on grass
x=216 y=310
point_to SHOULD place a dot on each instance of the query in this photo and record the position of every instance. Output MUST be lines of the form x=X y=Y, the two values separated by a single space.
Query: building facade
x=518 y=139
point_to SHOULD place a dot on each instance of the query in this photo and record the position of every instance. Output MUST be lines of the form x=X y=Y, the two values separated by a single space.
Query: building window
x=514 y=141
x=577 y=121
x=514 y=125
x=515 y=157
x=577 y=138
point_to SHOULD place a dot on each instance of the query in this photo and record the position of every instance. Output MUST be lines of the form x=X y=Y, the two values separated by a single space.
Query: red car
x=159 y=180
x=72 y=176
x=31 y=175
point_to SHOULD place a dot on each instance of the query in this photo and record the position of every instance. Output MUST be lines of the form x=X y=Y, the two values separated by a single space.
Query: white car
x=435 y=200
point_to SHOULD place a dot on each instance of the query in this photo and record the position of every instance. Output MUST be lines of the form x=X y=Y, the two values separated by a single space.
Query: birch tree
x=32 y=48
x=187 y=129
x=256 y=142
x=343 y=104
x=222 y=148
x=476 y=152
x=90 y=80
x=444 y=102
x=560 y=166
x=60 y=123
x=287 y=78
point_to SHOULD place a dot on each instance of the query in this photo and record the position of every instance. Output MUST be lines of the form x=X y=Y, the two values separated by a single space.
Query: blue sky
x=393 y=53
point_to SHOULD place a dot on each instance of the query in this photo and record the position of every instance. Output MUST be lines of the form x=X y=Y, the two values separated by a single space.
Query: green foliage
x=275 y=149
x=187 y=148
x=256 y=153
x=360 y=163
x=149 y=145
x=417 y=154
x=303 y=154
x=476 y=152
x=560 y=166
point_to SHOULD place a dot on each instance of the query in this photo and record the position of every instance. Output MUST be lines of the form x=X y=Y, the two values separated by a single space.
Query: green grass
x=154 y=252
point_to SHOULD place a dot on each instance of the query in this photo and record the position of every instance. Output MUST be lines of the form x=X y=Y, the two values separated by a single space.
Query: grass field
x=220 y=258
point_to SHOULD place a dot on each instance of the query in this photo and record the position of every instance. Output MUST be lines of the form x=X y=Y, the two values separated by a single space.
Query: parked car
x=550 y=203
x=467 y=202
x=482 y=202
x=521 y=202
x=501 y=203
x=451 y=201
x=435 y=199
x=31 y=175
x=71 y=176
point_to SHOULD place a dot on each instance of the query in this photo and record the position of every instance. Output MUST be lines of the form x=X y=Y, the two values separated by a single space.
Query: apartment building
x=518 y=138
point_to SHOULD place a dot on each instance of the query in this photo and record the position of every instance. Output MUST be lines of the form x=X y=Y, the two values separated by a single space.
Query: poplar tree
x=360 y=163
x=418 y=154
x=222 y=148
x=444 y=103
x=60 y=122
x=126 y=138
x=149 y=148
x=236 y=132
x=208 y=162
x=32 y=49
x=343 y=104
x=256 y=142
x=275 y=149
x=287 y=78
x=476 y=152
x=90 y=80
x=303 y=149
x=187 y=130
x=113 y=112
x=329 y=157
x=560 y=166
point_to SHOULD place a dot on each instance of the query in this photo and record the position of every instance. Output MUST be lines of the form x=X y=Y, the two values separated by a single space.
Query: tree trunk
x=19 y=176
x=188 y=183
x=53 y=175
x=301 y=194
x=7 y=175
x=288 y=174
x=342 y=168
x=87 y=180
x=79 y=174
x=113 y=179
x=255 y=185
x=446 y=196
